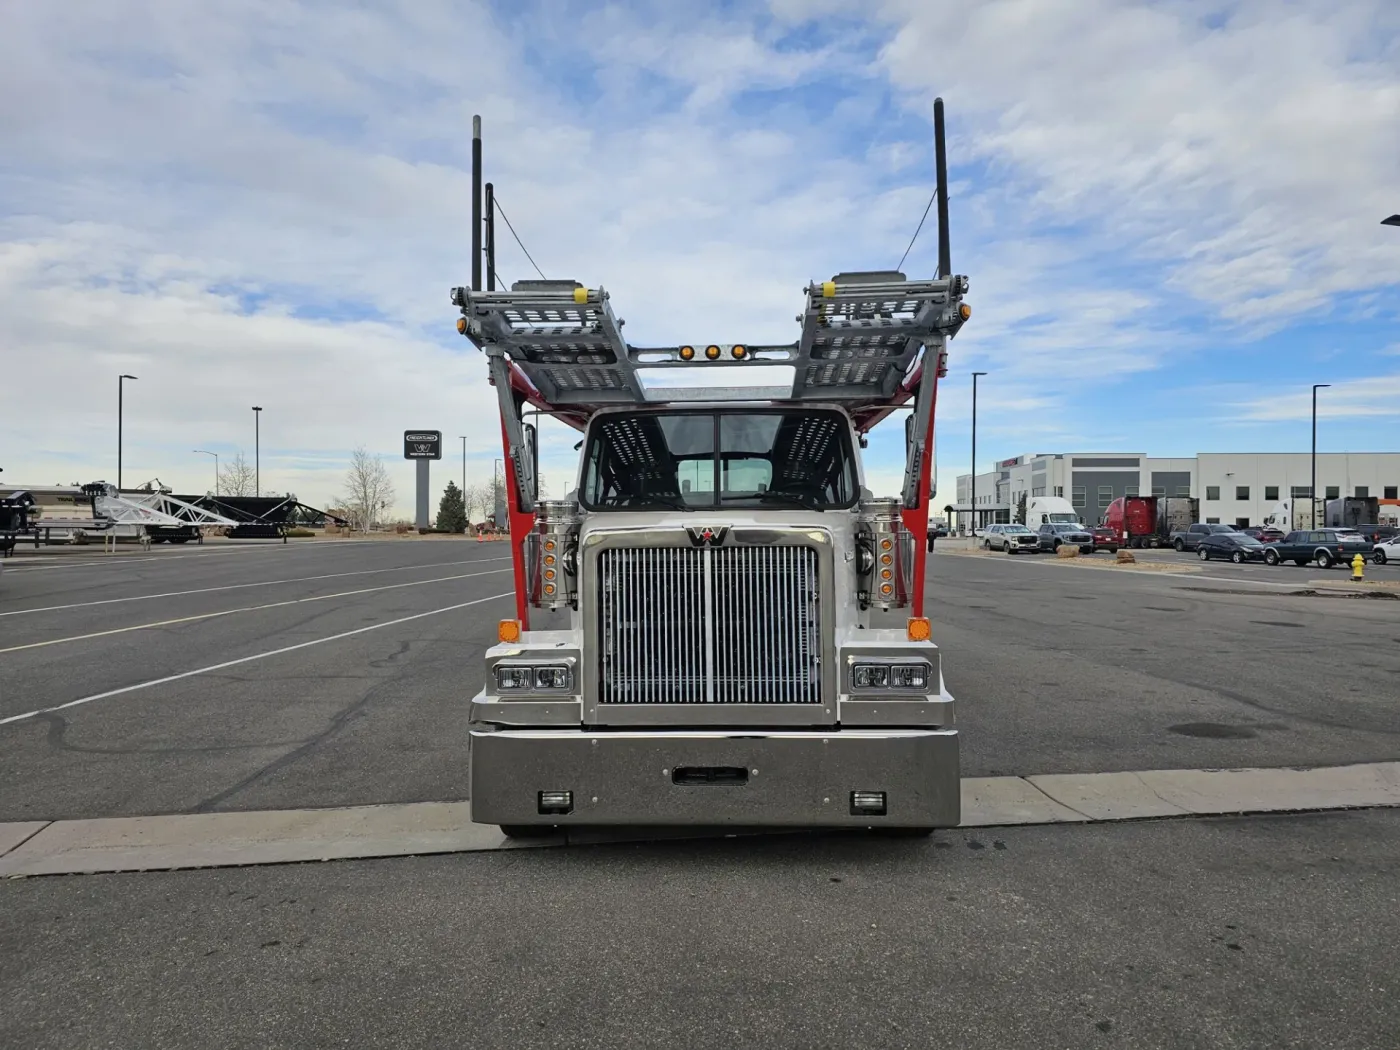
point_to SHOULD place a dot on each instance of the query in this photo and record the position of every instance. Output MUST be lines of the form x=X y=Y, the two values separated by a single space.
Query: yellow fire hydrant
x=1357 y=565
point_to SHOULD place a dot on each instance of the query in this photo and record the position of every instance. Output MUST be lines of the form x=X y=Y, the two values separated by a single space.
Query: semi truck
x=1351 y=511
x=1134 y=520
x=721 y=624
x=1042 y=510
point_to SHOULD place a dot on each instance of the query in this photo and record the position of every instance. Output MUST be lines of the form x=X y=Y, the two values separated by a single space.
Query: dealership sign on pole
x=424 y=446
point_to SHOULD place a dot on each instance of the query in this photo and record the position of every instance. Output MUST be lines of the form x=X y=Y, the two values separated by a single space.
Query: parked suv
x=1105 y=538
x=1011 y=538
x=1055 y=534
x=1190 y=539
x=1325 y=547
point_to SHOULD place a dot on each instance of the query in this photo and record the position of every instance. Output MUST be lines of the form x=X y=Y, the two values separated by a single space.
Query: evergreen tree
x=452 y=511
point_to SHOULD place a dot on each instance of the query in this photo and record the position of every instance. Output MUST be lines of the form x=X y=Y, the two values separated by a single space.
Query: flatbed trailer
x=724 y=572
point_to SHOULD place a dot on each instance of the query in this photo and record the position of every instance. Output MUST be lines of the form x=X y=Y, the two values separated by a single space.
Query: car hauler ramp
x=869 y=341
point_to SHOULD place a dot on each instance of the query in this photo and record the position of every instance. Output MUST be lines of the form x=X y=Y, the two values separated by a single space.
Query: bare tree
x=368 y=490
x=237 y=477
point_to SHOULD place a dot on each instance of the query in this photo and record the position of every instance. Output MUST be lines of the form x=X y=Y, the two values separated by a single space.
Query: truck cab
x=738 y=635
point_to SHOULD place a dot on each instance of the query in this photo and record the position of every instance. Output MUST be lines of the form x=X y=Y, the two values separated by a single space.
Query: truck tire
x=986 y=545
x=1010 y=548
x=1179 y=544
x=1324 y=559
x=1271 y=557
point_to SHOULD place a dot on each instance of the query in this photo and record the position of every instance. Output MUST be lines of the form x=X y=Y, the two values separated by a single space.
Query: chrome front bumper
x=760 y=779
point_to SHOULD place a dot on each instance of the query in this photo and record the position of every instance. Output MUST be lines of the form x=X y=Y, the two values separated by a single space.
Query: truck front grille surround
x=709 y=625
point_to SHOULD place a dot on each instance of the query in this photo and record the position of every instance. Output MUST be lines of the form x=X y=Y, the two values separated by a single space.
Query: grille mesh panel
x=686 y=625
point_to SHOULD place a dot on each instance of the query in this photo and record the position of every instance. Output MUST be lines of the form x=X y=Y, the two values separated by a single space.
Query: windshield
x=1017 y=529
x=1068 y=519
x=1219 y=530
x=1246 y=540
x=700 y=460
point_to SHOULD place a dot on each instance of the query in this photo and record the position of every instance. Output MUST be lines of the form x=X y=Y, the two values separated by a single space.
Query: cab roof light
x=712 y=351
x=687 y=352
x=918 y=629
x=508 y=631
x=738 y=351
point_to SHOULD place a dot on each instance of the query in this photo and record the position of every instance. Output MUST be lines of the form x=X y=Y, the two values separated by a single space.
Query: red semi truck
x=1134 y=520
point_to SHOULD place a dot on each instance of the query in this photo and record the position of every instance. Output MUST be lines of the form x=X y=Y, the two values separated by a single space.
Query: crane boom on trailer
x=722 y=568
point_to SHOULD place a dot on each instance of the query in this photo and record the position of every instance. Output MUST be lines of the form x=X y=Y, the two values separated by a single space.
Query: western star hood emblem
x=707 y=535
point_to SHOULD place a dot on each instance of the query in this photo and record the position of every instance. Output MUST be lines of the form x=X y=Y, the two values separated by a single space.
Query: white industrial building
x=1236 y=488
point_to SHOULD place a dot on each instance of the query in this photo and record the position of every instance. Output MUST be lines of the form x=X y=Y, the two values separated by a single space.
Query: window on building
x=1392 y=492
x=1334 y=491
x=1130 y=490
x=1212 y=492
x=1078 y=497
x=1270 y=492
x=1159 y=490
x=1105 y=495
x=1241 y=523
x=1038 y=490
x=1183 y=490
x=1362 y=491
x=1212 y=521
x=1241 y=492
x=1300 y=492
x=1060 y=491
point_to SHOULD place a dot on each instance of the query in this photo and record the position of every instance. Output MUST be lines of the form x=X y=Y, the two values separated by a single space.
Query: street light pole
x=120 y=380
x=973 y=500
x=1312 y=491
x=216 y=467
x=257 y=450
x=464 y=474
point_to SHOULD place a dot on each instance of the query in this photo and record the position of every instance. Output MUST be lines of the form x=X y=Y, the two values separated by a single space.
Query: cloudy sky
x=1169 y=212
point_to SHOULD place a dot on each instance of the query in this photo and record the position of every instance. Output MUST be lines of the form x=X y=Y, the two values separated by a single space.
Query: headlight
x=532 y=678
x=870 y=676
x=515 y=679
x=903 y=674
x=551 y=678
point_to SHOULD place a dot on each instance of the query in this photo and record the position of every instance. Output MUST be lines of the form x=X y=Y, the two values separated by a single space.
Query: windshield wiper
x=797 y=499
x=654 y=498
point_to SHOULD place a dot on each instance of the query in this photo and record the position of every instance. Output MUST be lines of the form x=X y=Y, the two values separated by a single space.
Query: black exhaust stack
x=490 y=237
x=476 y=204
x=945 y=263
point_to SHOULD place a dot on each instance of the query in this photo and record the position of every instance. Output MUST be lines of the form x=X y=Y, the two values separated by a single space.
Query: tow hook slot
x=688 y=775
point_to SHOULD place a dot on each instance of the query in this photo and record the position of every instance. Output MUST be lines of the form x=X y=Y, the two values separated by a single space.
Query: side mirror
x=532 y=450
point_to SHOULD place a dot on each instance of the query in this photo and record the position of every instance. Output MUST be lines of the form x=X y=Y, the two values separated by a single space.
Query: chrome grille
x=726 y=625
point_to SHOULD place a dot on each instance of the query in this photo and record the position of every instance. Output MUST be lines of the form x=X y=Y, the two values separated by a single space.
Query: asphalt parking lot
x=322 y=674
x=357 y=659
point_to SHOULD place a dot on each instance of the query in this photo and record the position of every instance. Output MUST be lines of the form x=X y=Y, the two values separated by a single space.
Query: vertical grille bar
x=684 y=625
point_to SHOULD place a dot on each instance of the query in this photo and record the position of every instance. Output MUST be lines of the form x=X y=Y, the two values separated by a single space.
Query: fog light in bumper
x=867 y=803
x=556 y=802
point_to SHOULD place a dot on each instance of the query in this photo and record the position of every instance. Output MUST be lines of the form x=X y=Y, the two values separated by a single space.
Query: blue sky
x=1169 y=213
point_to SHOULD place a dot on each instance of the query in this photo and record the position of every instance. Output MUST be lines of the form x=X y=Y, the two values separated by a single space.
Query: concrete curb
x=212 y=840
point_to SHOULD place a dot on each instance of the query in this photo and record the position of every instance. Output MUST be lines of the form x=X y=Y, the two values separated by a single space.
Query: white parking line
x=57 y=561
x=243 y=586
x=247 y=659
x=246 y=608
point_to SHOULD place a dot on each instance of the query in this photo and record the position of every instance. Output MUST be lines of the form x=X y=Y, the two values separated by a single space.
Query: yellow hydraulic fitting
x=1357 y=565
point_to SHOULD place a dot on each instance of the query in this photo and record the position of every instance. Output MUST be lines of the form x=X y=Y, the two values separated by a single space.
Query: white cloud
x=267 y=203
x=1374 y=396
x=1249 y=146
